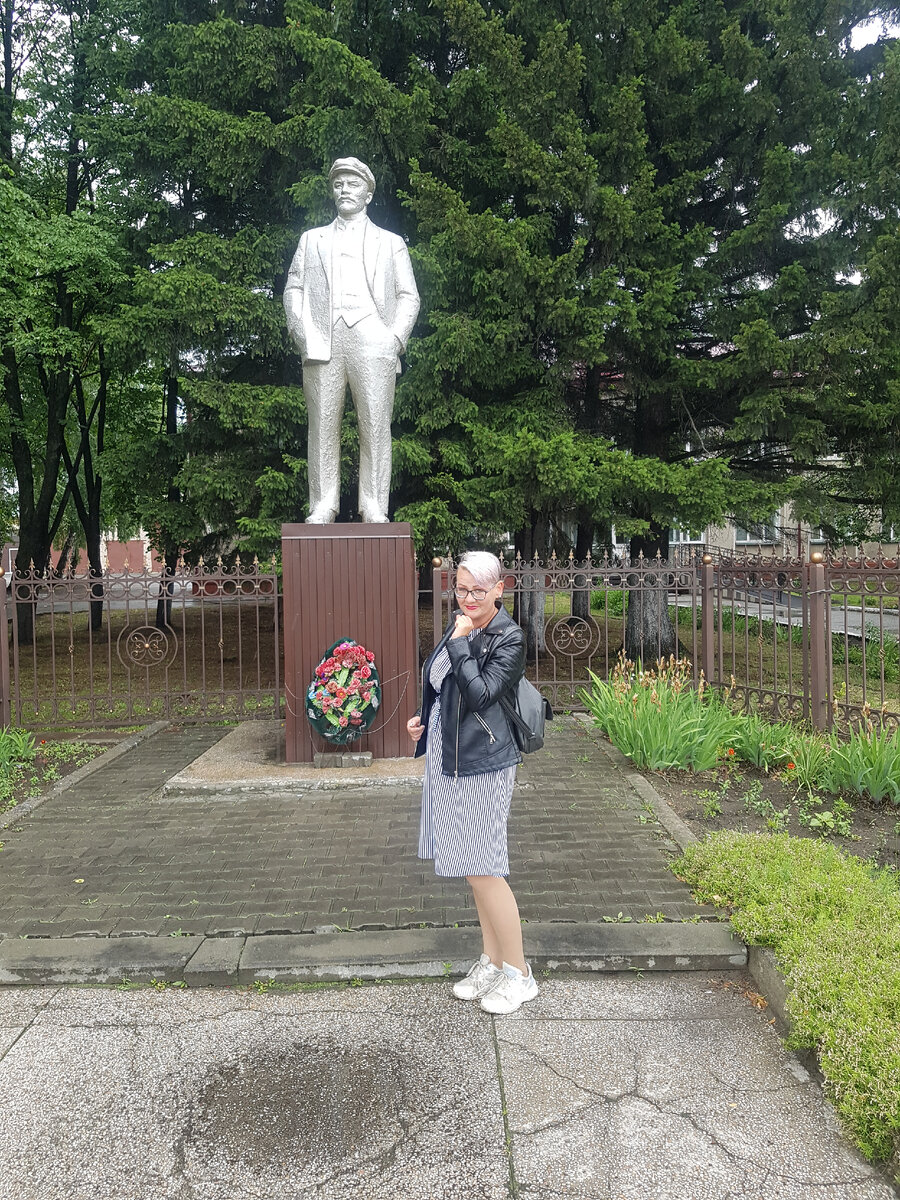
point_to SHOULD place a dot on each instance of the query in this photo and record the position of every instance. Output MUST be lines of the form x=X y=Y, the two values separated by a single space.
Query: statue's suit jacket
x=308 y=292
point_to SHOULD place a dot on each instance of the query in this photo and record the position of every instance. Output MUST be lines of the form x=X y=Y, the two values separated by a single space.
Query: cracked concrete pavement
x=673 y=1086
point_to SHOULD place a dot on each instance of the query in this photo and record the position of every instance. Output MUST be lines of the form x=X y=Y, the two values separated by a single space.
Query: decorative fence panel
x=816 y=641
x=574 y=615
x=201 y=643
x=862 y=607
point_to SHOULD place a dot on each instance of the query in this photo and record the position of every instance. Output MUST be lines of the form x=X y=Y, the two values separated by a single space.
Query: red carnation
x=370 y=656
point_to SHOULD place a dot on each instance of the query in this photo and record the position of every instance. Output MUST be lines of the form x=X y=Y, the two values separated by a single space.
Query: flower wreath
x=345 y=693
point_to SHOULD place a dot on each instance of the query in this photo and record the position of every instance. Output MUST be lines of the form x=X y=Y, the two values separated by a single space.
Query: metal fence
x=817 y=640
x=200 y=643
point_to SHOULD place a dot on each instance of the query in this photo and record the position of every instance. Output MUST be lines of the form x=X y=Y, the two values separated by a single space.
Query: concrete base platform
x=250 y=759
x=654 y=1087
x=397 y=954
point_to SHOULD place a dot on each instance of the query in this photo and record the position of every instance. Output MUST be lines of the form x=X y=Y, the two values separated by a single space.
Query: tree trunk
x=649 y=631
x=65 y=562
x=581 y=593
x=166 y=589
x=529 y=606
x=164 y=604
x=6 y=96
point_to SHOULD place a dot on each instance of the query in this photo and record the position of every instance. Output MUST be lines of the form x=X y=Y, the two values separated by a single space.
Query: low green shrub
x=658 y=719
x=833 y=923
x=610 y=602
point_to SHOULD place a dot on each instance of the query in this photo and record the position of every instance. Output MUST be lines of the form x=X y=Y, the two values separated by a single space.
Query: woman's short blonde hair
x=483 y=566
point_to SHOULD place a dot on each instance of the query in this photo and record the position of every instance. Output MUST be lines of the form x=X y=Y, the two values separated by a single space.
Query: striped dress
x=463 y=822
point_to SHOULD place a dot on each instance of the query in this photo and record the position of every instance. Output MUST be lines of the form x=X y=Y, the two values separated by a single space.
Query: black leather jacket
x=476 y=733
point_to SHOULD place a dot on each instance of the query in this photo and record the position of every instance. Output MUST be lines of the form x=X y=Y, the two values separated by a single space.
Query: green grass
x=833 y=923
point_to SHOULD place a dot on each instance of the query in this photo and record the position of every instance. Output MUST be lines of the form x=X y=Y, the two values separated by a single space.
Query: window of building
x=685 y=537
x=763 y=533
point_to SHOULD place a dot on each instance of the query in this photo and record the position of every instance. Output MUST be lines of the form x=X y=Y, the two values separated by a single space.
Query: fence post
x=437 y=574
x=5 y=705
x=707 y=618
x=818 y=647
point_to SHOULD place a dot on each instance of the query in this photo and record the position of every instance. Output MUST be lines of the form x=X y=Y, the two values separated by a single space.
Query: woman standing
x=470 y=769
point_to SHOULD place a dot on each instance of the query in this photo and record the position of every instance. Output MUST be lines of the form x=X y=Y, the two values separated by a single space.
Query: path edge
x=26 y=807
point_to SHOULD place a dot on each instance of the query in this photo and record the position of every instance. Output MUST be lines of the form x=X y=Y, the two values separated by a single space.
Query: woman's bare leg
x=498 y=915
x=489 y=939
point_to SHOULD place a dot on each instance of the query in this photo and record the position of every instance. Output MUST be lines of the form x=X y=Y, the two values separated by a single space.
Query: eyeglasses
x=477 y=594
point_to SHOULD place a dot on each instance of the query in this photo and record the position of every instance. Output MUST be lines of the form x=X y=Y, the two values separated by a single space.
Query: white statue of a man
x=351 y=303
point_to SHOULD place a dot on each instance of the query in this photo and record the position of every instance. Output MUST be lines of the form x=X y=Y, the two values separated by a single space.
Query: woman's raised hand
x=463 y=626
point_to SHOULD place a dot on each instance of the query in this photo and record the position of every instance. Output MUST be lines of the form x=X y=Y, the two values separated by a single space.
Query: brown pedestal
x=350 y=581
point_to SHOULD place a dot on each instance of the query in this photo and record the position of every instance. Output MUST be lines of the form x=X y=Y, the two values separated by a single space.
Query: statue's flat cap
x=354 y=165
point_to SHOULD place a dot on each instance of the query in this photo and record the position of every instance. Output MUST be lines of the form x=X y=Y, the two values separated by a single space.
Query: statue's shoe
x=374 y=518
x=321 y=516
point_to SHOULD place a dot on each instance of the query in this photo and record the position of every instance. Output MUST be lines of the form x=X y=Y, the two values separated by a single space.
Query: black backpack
x=527 y=711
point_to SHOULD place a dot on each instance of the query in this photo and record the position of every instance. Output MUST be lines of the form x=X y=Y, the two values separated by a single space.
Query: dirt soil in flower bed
x=50 y=766
x=752 y=801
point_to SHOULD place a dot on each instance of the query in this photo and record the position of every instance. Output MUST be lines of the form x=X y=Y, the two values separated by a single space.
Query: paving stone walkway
x=113 y=856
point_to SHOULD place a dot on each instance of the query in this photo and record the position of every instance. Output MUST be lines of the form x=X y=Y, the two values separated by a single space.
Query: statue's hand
x=398 y=344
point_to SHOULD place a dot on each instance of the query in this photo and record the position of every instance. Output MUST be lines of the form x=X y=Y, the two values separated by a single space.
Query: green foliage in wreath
x=345 y=693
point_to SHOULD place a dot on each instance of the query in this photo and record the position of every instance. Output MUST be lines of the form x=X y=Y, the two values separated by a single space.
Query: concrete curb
x=26 y=807
x=400 y=953
x=102 y=960
x=179 y=789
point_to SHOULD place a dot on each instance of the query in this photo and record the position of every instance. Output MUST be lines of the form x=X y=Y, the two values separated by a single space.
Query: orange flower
x=731 y=752
x=791 y=767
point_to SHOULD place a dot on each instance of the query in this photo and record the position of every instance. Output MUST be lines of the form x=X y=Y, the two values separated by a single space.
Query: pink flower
x=341 y=694
x=343 y=722
x=370 y=656
x=367 y=696
x=365 y=672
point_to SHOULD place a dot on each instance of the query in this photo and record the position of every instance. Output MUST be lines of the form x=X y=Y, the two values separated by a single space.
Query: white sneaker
x=479 y=978
x=510 y=990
